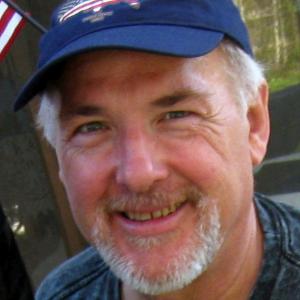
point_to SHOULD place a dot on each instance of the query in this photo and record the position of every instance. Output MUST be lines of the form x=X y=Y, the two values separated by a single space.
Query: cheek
x=200 y=163
x=223 y=174
x=217 y=169
x=85 y=181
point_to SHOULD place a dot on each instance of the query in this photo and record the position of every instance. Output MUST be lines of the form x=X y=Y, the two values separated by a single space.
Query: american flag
x=10 y=25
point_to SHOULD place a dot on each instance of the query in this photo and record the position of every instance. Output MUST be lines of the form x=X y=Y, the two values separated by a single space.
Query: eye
x=176 y=115
x=92 y=127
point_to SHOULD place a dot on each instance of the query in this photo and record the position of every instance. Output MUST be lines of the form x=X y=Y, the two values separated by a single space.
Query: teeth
x=130 y=216
x=139 y=217
x=143 y=217
x=173 y=207
x=165 y=212
x=154 y=215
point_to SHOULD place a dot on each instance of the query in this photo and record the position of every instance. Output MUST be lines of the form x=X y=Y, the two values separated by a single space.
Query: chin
x=178 y=270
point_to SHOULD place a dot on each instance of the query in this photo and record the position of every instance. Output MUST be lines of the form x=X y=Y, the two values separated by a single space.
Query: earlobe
x=259 y=125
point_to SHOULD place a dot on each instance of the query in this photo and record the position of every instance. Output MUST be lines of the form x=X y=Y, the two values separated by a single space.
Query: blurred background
x=30 y=191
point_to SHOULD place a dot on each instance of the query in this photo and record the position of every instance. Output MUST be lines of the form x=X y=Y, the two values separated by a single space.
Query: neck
x=233 y=273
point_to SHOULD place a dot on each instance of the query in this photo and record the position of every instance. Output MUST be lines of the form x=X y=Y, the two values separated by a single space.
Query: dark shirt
x=14 y=281
x=86 y=276
x=280 y=273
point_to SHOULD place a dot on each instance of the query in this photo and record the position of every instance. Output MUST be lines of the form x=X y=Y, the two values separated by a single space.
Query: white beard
x=191 y=261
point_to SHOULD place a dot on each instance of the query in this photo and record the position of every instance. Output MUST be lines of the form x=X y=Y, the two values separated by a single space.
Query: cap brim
x=162 y=39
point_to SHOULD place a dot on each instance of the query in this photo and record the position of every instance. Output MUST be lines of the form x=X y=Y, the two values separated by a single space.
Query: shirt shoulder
x=280 y=272
x=85 y=276
x=284 y=221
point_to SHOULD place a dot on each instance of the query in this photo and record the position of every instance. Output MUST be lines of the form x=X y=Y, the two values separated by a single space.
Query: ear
x=259 y=123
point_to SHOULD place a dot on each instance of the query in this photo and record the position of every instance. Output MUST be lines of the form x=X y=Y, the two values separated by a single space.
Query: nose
x=140 y=163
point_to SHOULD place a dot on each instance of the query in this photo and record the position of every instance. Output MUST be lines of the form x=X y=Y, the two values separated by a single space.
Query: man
x=158 y=113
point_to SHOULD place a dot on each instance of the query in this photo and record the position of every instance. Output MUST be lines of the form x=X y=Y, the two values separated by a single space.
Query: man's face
x=155 y=156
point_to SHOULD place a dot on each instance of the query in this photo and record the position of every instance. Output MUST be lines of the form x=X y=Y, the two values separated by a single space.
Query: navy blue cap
x=185 y=28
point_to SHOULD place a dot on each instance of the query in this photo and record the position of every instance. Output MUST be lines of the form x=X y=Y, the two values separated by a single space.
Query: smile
x=135 y=216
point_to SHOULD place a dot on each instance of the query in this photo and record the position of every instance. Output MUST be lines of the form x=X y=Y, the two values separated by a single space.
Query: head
x=156 y=151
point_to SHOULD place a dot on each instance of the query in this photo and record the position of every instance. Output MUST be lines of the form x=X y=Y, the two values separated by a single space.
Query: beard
x=191 y=259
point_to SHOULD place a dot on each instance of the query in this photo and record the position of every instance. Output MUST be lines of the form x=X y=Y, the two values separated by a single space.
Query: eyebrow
x=82 y=110
x=176 y=97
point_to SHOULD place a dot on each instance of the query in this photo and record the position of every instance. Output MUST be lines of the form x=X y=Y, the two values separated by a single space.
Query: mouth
x=153 y=215
x=149 y=221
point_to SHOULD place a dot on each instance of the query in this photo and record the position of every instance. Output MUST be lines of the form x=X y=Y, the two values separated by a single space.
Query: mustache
x=154 y=199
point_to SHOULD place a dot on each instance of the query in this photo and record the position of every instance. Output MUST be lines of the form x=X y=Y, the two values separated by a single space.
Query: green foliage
x=274 y=27
x=279 y=82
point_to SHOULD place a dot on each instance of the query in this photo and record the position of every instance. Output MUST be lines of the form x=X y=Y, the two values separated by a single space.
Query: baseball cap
x=184 y=28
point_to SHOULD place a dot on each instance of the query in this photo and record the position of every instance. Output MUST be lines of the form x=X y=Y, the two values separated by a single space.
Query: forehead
x=113 y=71
x=126 y=61
x=117 y=63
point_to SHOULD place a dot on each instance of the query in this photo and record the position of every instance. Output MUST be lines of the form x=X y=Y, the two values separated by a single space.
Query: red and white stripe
x=10 y=25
